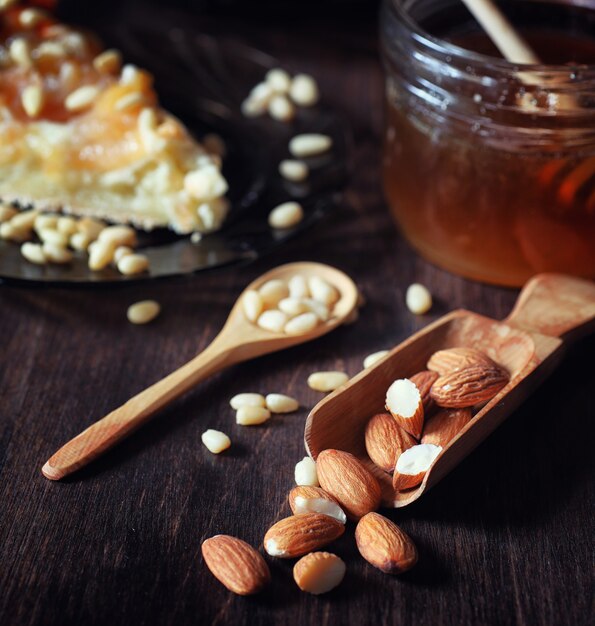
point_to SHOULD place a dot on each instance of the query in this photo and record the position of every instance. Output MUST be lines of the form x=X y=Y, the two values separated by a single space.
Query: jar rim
x=441 y=46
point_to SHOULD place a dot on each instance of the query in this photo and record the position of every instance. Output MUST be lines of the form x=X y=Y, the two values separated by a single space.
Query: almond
x=453 y=359
x=423 y=381
x=413 y=464
x=305 y=499
x=386 y=440
x=473 y=385
x=353 y=486
x=236 y=564
x=404 y=402
x=319 y=572
x=300 y=534
x=384 y=545
x=445 y=425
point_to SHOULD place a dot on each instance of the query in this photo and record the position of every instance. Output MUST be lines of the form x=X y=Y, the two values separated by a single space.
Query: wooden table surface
x=505 y=539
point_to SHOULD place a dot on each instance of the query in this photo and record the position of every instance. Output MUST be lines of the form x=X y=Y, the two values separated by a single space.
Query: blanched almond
x=403 y=401
x=386 y=441
x=353 y=486
x=445 y=425
x=300 y=534
x=305 y=472
x=319 y=572
x=413 y=464
x=384 y=545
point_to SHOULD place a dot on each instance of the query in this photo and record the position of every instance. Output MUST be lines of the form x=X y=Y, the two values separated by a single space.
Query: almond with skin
x=454 y=359
x=464 y=388
x=404 y=403
x=384 y=545
x=386 y=440
x=306 y=499
x=423 y=381
x=299 y=534
x=445 y=425
x=236 y=564
x=353 y=486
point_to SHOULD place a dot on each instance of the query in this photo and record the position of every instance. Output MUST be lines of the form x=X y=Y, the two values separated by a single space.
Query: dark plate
x=203 y=79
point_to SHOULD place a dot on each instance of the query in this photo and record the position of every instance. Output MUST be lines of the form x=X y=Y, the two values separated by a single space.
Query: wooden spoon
x=528 y=343
x=239 y=340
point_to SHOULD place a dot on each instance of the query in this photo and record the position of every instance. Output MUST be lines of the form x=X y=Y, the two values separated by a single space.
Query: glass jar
x=489 y=169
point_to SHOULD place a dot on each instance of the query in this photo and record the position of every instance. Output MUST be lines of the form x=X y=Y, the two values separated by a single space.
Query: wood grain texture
x=504 y=539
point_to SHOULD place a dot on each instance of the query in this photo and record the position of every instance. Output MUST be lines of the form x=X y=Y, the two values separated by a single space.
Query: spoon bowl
x=526 y=344
x=239 y=340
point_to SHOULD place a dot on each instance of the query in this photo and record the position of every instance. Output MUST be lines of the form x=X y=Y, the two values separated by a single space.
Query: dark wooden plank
x=505 y=539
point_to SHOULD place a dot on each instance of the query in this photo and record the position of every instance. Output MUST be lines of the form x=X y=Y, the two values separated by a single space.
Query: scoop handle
x=556 y=305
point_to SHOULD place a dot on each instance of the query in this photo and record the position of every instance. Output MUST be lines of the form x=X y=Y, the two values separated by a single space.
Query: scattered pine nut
x=327 y=381
x=215 y=441
x=319 y=572
x=286 y=215
x=56 y=253
x=374 y=358
x=304 y=90
x=279 y=403
x=305 y=472
x=101 y=254
x=280 y=108
x=49 y=235
x=133 y=264
x=45 y=221
x=247 y=399
x=252 y=415
x=120 y=252
x=33 y=252
x=118 y=236
x=66 y=225
x=295 y=171
x=278 y=80
x=418 y=299
x=80 y=242
x=143 y=312
x=308 y=145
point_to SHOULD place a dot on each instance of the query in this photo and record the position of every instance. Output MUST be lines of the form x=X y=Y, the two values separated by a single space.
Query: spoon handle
x=121 y=422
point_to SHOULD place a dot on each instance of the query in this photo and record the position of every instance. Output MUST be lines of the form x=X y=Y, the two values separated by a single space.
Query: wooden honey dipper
x=515 y=49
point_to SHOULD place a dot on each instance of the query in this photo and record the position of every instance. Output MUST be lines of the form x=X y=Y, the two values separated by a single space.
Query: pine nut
x=44 y=221
x=293 y=306
x=253 y=108
x=206 y=183
x=118 y=236
x=252 y=415
x=13 y=233
x=286 y=215
x=252 y=304
x=247 y=399
x=295 y=171
x=273 y=291
x=298 y=287
x=120 y=252
x=278 y=80
x=55 y=253
x=32 y=100
x=301 y=324
x=322 y=291
x=33 y=252
x=215 y=441
x=134 y=99
x=418 y=299
x=90 y=227
x=80 y=241
x=81 y=98
x=66 y=225
x=20 y=53
x=262 y=93
x=101 y=254
x=305 y=473
x=273 y=321
x=24 y=220
x=51 y=49
x=130 y=74
x=29 y=18
x=304 y=90
x=6 y=212
x=280 y=108
x=308 y=145
x=327 y=381
x=133 y=264
x=108 y=62
x=279 y=403
x=319 y=572
x=374 y=358
x=143 y=312
x=49 y=235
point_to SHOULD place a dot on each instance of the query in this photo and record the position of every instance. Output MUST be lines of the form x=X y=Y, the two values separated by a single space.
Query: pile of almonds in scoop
x=431 y=408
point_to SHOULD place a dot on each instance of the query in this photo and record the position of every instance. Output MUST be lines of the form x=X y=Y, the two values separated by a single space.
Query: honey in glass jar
x=489 y=168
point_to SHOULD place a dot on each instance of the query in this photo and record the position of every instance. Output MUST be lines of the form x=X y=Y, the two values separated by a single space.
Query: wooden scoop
x=239 y=340
x=551 y=312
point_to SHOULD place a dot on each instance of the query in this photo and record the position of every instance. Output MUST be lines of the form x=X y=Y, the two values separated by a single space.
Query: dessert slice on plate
x=81 y=134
